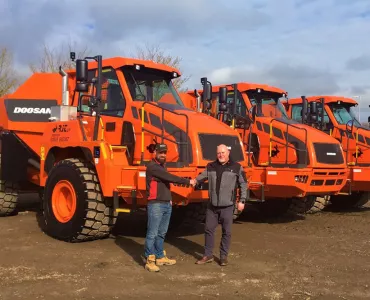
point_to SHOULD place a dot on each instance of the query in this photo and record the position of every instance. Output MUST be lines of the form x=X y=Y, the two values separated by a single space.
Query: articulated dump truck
x=293 y=167
x=335 y=116
x=82 y=139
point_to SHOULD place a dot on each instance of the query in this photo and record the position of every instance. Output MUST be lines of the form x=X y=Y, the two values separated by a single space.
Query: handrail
x=162 y=125
x=102 y=129
x=287 y=140
x=356 y=144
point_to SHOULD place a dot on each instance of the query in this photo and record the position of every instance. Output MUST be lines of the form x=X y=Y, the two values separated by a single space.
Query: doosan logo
x=32 y=110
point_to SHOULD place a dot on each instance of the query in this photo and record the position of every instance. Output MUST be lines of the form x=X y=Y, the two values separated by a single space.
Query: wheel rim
x=64 y=201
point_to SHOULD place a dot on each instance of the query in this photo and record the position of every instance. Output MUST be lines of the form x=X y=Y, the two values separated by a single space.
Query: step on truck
x=335 y=116
x=82 y=139
x=292 y=167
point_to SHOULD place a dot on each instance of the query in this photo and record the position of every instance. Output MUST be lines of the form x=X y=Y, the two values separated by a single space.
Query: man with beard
x=159 y=208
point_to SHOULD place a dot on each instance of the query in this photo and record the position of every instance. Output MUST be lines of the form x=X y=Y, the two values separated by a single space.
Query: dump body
x=355 y=141
x=287 y=159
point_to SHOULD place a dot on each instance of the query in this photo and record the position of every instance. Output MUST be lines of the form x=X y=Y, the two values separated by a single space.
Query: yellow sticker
x=42 y=153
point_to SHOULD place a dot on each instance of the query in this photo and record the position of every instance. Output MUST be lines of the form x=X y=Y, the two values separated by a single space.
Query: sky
x=307 y=47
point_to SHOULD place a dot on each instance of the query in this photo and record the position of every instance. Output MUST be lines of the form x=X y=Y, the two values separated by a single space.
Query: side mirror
x=313 y=111
x=222 y=95
x=206 y=95
x=313 y=108
x=81 y=70
x=207 y=89
x=222 y=99
x=208 y=92
x=349 y=126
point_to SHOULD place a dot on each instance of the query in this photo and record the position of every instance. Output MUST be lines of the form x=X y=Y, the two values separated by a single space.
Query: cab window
x=297 y=114
x=113 y=102
x=241 y=108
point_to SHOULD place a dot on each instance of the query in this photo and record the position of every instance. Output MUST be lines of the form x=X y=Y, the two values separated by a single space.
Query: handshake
x=193 y=182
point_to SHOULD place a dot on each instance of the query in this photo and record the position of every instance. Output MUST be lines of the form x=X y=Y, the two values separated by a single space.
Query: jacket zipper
x=218 y=196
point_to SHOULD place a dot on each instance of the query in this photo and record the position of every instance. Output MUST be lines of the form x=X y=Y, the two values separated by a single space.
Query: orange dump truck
x=334 y=116
x=293 y=166
x=82 y=138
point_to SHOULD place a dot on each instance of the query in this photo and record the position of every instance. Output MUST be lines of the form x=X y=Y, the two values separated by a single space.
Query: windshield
x=344 y=113
x=271 y=105
x=153 y=85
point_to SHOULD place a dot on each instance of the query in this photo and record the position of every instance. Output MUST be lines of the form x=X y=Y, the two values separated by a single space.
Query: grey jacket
x=232 y=176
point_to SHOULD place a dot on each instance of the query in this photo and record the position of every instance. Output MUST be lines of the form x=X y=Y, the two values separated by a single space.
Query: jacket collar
x=216 y=162
x=157 y=162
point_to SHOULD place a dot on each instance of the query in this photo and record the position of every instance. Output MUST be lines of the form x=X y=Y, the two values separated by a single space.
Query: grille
x=328 y=153
x=209 y=143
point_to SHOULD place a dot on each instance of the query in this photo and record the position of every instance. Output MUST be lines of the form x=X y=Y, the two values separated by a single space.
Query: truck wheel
x=355 y=200
x=309 y=204
x=273 y=208
x=74 y=209
x=193 y=213
x=363 y=198
x=8 y=197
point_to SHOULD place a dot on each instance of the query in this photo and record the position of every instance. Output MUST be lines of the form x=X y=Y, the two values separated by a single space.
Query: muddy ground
x=323 y=256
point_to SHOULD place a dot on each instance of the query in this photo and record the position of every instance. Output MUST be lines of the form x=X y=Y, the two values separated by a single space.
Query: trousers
x=159 y=215
x=214 y=216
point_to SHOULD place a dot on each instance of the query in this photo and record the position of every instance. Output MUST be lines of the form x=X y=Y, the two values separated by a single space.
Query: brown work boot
x=150 y=264
x=204 y=260
x=165 y=260
x=223 y=261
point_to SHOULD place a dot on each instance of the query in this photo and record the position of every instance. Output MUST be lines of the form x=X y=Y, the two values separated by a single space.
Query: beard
x=162 y=160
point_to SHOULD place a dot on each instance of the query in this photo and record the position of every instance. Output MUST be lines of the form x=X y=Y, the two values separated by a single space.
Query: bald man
x=223 y=176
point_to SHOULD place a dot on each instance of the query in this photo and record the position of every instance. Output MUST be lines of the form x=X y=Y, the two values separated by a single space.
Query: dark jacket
x=232 y=176
x=158 y=181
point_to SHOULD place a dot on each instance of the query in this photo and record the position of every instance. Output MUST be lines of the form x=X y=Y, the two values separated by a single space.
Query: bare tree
x=9 y=79
x=157 y=54
x=51 y=59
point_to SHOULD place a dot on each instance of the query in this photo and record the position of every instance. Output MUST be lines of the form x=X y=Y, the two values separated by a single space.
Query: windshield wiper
x=138 y=86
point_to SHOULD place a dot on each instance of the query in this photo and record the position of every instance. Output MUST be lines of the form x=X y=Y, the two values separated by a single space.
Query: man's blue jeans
x=159 y=215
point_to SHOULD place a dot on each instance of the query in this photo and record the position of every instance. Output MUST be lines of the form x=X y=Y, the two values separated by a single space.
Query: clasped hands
x=193 y=182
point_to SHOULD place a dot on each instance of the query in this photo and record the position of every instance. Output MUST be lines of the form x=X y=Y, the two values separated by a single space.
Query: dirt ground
x=323 y=256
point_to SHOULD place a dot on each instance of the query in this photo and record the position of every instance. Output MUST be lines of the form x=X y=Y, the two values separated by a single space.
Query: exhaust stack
x=65 y=92
x=198 y=101
x=63 y=112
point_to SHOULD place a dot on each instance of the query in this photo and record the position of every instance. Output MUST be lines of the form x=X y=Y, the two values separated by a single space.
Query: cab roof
x=245 y=86
x=327 y=99
x=118 y=62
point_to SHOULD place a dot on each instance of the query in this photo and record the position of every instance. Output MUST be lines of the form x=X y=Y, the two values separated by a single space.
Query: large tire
x=73 y=183
x=355 y=200
x=190 y=215
x=273 y=208
x=8 y=197
x=309 y=204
